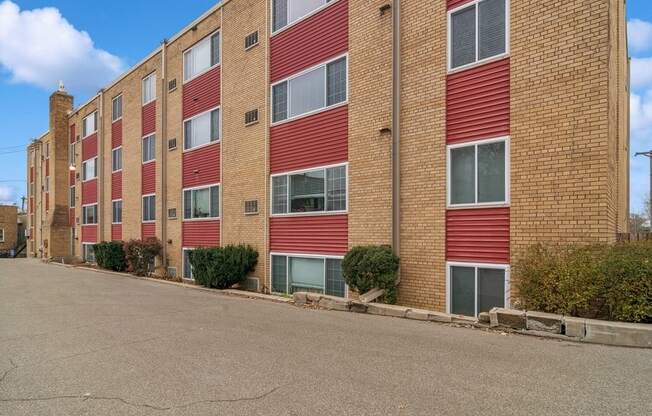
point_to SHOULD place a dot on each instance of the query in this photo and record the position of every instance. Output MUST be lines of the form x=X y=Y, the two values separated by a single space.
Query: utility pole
x=649 y=156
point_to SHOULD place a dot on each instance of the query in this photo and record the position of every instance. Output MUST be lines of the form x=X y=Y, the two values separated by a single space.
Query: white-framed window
x=201 y=129
x=201 y=57
x=72 y=193
x=89 y=169
x=310 y=191
x=201 y=202
x=187 y=267
x=287 y=12
x=89 y=124
x=149 y=148
x=116 y=211
x=72 y=153
x=116 y=113
x=478 y=173
x=2 y=235
x=88 y=252
x=306 y=273
x=149 y=88
x=318 y=88
x=89 y=214
x=116 y=159
x=473 y=288
x=149 y=208
x=477 y=31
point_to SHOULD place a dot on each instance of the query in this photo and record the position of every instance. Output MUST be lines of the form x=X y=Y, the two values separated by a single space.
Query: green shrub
x=141 y=255
x=110 y=256
x=222 y=267
x=600 y=281
x=368 y=267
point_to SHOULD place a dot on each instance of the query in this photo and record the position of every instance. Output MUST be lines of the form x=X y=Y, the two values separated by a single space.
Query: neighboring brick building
x=8 y=228
x=457 y=131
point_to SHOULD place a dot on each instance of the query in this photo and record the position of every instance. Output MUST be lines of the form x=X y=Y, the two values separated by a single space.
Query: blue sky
x=43 y=41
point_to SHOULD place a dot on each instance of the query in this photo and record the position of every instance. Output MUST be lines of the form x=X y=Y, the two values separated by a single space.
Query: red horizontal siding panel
x=456 y=3
x=47 y=167
x=89 y=147
x=71 y=178
x=116 y=185
x=477 y=103
x=31 y=204
x=71 y=217
x=149 y=118
x=73 y=137
x=116 y=232
x=320 y=139
x=201 y=233
x=89 y=233
x=89 y=192
x=316 y=39
x=116 y=134
x=148 y=230
x=148 y=178
x=478 y=235
x=47 y=201
x=202 y=93
x=201 y=166
x=31 y=174
x=320 y=234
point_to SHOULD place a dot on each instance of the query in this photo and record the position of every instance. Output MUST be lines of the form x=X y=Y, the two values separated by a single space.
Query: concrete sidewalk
x=85 y=343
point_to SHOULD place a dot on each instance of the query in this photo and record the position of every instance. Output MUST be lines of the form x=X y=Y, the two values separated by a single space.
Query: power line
x=13 y=152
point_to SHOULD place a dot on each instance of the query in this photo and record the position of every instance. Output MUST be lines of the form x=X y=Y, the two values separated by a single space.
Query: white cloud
x=641 y=72
x=41 y=47
x=639 y=33
x=6 y=194
x=641 y=114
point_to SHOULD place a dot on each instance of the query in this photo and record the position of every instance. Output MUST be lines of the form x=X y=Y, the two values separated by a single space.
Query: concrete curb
x=591 y=331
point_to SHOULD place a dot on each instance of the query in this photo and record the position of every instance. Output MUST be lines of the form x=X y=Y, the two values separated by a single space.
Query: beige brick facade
x=9 y=227
x=569 y=139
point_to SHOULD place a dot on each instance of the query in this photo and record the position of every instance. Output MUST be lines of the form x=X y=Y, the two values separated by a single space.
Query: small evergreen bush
x=141 y=255
x=368 y=267
x=612 y=282
x=110 y=256
x=222 y=267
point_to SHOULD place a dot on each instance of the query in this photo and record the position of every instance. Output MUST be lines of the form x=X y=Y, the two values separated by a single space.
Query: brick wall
x=8 y=223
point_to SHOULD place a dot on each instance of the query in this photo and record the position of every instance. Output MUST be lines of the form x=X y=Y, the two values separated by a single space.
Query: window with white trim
x=307 y=274
x=116 y=217
x=201 y=203
x=149 y=148
x=89 y=124
x=116 y=114
x=478 y=173
x=89 y=214
x=187 y=267
x=88 y=253
x=201 y=57
x=477 y=32
x=316 y=190
x=286 y=12
x=201 y=129
x=89 y=169
x=72 y=196
x=149 y=208
x=477 y=288
x=149 y=88
x=116 y=159
x=72 y=154
x=320 y=87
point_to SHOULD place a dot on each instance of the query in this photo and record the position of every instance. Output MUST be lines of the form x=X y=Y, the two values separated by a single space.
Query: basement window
x=475 y=288
x=308 y=274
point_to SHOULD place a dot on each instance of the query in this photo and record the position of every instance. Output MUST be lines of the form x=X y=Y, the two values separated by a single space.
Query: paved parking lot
x=75 y=342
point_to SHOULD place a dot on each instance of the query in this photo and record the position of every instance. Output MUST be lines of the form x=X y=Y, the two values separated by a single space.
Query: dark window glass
x=336 y=87
x=463 y=37
x=462 y=290
x=335 y=285
x=491 y=28
x=280 y=102
x=279 y=274
x=491 y=289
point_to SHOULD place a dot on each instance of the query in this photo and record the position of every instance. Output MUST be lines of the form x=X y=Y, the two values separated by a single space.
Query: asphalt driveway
x=75 y=342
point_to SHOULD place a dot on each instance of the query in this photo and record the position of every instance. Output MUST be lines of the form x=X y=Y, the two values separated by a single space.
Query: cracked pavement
x=76 y=342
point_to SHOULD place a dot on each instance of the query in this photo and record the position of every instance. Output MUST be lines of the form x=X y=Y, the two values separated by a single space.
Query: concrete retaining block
x=461 y=319
x=387 y=310
x=574 y=327
x=334 y=304
x=483 y=318
x=418 y=314
x=313 y=297
x=618 y=333
x=546 y=322
x=300 y=298
x=510 y=318
x=358 y=307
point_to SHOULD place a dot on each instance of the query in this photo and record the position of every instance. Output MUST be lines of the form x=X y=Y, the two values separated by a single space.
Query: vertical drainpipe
x=164 y=204
x=267 y=197
x=100 y=159
x=396 y=129
x=221 y=144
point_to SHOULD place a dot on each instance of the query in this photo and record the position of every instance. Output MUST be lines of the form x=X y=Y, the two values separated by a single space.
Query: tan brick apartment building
x=458 y=131
x=8 y=228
